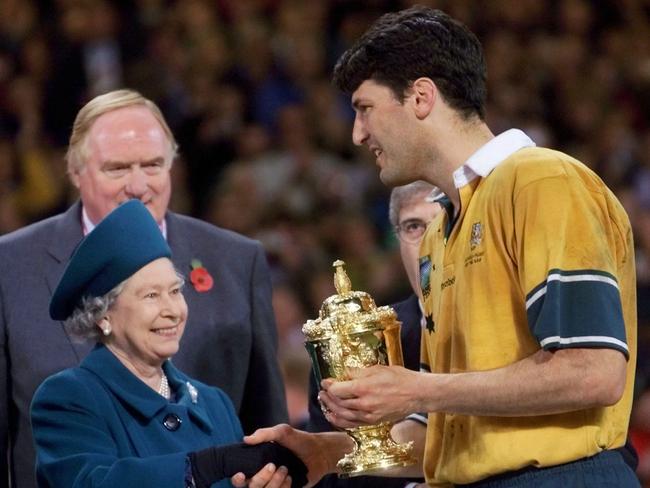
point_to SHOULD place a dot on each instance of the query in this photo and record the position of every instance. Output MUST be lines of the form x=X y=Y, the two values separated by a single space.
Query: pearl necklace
x=164 y=388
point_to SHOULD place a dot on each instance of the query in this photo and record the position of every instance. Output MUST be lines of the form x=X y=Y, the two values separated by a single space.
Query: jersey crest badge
x=477 y=235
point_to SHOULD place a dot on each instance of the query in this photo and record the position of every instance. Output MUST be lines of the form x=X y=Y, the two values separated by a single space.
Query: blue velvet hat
x=126 y=240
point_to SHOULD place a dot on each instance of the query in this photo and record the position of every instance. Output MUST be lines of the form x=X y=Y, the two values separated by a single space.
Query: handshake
x=215 y=463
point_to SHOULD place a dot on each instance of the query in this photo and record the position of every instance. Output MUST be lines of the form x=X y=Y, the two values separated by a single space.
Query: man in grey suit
x=121 y=148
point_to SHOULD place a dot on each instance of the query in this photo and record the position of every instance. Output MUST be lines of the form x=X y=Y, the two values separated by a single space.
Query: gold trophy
x=352 y=332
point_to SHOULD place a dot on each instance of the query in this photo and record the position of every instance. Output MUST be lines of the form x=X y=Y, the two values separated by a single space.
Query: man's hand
x=373 y=395
x=319 y=452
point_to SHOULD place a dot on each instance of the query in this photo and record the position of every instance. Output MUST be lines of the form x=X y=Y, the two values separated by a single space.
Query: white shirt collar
x=488 y=157
x=88 y=226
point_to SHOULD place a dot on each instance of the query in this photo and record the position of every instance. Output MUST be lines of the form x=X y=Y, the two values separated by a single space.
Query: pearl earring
x=107 y=330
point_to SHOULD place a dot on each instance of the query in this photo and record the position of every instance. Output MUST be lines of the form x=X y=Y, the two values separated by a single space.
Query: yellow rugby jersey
x=541 y=256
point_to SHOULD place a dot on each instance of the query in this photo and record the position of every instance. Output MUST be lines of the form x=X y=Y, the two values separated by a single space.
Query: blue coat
x=230 y=339
x=98 y=425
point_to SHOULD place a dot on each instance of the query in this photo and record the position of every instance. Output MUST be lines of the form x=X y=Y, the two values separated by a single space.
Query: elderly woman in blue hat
x=126 y=416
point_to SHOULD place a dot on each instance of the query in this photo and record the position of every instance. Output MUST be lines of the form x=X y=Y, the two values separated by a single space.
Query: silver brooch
x=194 y=393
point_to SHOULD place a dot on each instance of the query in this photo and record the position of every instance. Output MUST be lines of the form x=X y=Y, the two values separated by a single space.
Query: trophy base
x=374 y=451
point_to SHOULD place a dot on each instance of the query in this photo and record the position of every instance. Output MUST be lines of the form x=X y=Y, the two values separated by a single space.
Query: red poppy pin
x=200 y=278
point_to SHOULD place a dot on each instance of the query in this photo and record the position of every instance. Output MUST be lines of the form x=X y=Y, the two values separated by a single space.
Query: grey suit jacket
x=230 y=339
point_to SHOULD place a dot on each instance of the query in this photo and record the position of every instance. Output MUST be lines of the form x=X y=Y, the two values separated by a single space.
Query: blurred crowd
x=265 y=140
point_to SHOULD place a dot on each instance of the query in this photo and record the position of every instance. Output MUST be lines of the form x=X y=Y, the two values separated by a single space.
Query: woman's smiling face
x=149 y=315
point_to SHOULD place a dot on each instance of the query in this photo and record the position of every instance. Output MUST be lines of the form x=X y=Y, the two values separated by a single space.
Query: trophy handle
x=312 y=350
x=394 y=344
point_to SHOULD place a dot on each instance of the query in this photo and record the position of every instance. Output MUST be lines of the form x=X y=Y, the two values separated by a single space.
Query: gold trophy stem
x=374 y=450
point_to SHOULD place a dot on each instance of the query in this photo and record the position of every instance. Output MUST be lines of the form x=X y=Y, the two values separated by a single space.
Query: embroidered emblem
x=476 y=236
x=425 y=275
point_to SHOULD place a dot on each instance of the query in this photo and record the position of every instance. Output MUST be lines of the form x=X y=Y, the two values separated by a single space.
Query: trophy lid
x=348 y=311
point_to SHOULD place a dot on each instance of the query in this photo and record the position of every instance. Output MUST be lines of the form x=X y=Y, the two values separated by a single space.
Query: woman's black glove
x=215 y=463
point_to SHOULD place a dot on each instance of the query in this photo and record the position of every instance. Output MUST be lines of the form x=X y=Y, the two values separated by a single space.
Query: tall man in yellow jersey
x=528 y=282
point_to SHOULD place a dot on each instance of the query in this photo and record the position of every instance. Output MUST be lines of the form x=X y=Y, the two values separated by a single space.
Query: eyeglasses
x=411 y=230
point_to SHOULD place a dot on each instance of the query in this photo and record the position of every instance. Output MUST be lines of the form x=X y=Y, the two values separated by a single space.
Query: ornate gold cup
x=351 y=331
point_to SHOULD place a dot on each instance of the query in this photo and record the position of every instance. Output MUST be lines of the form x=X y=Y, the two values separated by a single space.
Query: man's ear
x=425 y=94
x=74 y=176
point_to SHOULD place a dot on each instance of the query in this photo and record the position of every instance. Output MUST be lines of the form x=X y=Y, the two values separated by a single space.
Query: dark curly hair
x=404 y=46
